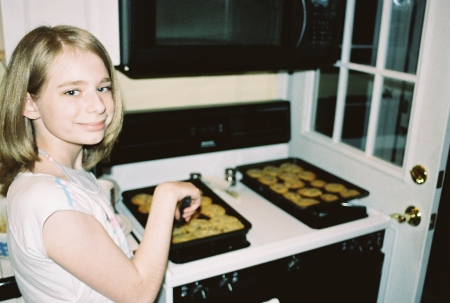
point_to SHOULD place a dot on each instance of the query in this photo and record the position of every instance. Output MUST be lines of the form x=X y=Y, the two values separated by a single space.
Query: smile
x=94 y=126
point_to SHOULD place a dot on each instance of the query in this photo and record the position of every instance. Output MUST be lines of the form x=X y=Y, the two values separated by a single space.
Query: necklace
x=80 y=178
x=86 y=181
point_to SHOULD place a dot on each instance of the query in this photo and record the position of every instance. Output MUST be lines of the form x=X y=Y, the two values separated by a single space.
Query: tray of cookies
x=316 y=197
x=215 y=228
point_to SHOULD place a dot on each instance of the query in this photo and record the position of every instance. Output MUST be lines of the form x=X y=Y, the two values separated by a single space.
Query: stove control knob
x=195 y=176
x=184 y=291
x=235 y=277
x=293 y=264
x=226 y=283
x=199 y=291
x=230 y=176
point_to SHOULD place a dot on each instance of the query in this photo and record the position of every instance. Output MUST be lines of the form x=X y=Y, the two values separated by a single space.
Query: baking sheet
x=200 y=247
x=322 y=213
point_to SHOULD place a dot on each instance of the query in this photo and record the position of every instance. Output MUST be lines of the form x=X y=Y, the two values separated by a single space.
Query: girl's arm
x=80 y=244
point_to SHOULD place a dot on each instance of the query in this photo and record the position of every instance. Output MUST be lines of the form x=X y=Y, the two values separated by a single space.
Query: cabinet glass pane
x=366 y=32
x=326 y=101
x=357 y=106
x=357 y=109
x=395 y=112
x=404 y=35
x=391 y=34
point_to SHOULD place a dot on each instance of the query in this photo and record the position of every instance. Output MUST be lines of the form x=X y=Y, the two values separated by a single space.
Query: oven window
x=218 y=22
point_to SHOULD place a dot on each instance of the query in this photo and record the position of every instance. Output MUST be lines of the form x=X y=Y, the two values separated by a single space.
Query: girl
x=60 y=113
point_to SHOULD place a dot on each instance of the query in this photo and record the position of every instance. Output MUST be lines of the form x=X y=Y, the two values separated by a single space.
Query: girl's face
x=76 y=104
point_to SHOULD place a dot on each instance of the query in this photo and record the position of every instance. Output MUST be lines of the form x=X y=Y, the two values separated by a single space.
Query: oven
x=332 y=251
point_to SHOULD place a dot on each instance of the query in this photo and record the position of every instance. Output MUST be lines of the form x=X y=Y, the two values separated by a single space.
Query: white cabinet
x=100 y=17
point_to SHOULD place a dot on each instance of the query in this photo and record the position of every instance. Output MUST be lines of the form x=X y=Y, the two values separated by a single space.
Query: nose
x=96 y=103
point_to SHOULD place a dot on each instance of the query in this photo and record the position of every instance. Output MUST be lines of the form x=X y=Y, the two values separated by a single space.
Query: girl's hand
x=182 y=210
x=188 y=211
x=180 y=190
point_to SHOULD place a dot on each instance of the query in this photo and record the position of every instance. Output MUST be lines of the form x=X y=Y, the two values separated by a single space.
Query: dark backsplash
x=157 y=134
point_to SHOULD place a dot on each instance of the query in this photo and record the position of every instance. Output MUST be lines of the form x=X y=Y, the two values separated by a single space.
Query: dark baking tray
x=324 y=214
x=203 y=247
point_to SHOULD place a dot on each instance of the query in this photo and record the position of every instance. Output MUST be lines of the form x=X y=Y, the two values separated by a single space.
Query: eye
x=73 y=92
x=104 y=89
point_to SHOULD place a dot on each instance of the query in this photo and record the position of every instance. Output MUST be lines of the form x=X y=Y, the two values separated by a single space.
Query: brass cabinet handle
x=412 y=215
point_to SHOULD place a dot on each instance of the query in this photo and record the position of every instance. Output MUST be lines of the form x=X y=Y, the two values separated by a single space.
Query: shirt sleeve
x=29 y=209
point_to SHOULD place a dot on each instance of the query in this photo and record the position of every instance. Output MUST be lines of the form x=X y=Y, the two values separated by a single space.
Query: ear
x=31 y=110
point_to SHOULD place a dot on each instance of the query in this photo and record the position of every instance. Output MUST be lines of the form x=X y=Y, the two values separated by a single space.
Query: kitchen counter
x=274 y=235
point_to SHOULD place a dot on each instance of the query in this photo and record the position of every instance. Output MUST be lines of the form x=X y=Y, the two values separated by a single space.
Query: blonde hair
x=27 y=72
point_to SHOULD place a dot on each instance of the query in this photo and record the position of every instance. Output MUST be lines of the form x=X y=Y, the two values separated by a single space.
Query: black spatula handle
x=186 y=202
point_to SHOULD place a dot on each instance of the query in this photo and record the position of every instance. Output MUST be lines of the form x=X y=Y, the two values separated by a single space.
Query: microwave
x=197 y=37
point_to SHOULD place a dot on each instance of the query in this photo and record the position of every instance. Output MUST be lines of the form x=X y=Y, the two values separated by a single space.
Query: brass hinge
x=440 y=181
x=432 y=222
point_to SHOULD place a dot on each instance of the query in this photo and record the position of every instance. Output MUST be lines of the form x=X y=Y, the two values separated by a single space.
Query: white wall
x=179 y=92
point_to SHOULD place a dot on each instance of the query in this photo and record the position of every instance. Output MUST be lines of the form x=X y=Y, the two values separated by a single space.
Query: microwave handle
x=302 y=33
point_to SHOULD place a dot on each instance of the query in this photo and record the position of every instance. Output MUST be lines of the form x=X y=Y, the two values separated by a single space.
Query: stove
x=158 y=146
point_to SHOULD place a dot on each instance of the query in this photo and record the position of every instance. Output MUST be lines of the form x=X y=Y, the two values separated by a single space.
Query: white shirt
x=31 y=199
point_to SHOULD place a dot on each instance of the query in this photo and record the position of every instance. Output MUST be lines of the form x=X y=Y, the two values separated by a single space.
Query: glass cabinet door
x=365 y=100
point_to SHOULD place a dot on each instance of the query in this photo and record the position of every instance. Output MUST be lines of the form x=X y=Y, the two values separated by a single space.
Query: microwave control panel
x=325 y=21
